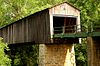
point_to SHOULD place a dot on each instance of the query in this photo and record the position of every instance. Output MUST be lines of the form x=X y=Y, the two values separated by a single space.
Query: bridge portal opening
x=64 y=24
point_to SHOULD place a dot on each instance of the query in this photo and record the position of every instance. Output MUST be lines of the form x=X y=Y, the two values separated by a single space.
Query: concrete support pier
x=56 y=55
x=93 y=51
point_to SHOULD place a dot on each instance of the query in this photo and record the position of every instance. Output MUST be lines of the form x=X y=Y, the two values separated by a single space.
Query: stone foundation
x=93 y=51
x=56 y=55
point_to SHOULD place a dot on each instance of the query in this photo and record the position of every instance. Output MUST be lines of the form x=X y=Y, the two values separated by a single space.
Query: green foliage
x=25 y=55
x=81 y=53
x=4 y=59
x=12 y=10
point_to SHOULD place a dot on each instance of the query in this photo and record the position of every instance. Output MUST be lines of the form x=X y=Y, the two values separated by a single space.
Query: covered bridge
x=41 y=26
x=59 y=24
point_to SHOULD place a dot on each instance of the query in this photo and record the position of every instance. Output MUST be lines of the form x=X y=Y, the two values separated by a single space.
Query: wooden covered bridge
x=55 y=29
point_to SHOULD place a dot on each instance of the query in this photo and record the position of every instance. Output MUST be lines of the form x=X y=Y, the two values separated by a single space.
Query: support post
x=93 y=51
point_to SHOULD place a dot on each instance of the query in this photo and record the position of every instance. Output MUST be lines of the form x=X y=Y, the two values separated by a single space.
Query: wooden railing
x=67 y=29
x=75 y=29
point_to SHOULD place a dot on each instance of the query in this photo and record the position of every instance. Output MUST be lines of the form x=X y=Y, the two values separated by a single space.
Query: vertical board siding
x=34 y=28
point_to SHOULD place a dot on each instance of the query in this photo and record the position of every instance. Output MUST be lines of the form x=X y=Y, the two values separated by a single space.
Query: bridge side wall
x=34 y=28
x=56 y=55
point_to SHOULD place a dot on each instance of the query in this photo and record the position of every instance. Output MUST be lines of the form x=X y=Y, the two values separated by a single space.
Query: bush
x=4 y=59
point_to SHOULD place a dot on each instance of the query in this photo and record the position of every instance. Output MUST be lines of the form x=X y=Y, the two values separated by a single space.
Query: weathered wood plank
x=30 y=29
